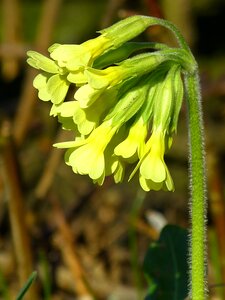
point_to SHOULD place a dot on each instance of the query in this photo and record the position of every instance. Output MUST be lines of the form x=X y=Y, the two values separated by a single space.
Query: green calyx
x=123 y=52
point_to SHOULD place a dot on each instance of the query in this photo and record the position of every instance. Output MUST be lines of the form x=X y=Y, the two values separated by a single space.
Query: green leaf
x=26 y=286
x=166 y=265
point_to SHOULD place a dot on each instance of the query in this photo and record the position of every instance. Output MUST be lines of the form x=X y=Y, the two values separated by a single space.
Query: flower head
x=125 y=107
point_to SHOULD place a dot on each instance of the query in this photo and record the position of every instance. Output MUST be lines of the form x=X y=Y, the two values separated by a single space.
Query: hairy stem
x=198 y=190
x=198 y=279
x=180 y=39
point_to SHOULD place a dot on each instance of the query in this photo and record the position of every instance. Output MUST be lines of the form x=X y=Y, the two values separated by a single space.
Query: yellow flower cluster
x=125 y=105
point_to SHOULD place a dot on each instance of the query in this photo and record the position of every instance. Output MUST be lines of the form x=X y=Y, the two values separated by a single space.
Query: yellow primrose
x=52 y=84
x=90 y=92
x=132 y=147
x=148 y=184
x=76 y=57
x=86 y=156
x=86 y=119
x=65 y=112
x=89 y=118
x=52 y=88
x=152 y=166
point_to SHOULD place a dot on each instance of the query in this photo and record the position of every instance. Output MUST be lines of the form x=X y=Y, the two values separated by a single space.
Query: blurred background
x=86 y=240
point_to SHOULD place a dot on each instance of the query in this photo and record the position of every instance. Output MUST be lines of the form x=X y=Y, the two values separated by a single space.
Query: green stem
x=198 y=282
x=198 y=190
x=198 y=208
x=181 y=41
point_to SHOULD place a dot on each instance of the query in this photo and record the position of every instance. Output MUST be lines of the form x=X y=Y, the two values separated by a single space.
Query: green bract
x=126 y=103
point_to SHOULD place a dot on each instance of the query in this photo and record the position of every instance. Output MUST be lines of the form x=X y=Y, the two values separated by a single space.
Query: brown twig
x=67 y=247
x=17 y=212
x=28 y=94
x=8 y=50
x=12 y=36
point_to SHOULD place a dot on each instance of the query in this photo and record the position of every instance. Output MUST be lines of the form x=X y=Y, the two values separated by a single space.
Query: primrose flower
x=74 y=57
x=72 y=115
x=132 y=147
x=154 y=174
x=52 y=83
x=86 y=156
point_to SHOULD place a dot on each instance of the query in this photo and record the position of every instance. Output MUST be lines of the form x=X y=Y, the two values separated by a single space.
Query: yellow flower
x=76 y=57
x=154 y=173
x=98 y=82
x=148 y=184
x=132 y=147
x=86 y=156
x=71 y=114
x=87 y=96
x=54 y=87
x=52 y=83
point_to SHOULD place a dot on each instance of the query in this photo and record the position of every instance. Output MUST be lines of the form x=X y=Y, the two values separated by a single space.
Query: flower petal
x=71 y=56
x=148 y=184
x=86 y=95
x=153 y=168
x=40 y=83
x=57 y=87
x=41 y=62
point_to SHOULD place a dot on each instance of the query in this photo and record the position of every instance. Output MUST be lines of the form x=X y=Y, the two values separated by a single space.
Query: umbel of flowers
x=126 y=103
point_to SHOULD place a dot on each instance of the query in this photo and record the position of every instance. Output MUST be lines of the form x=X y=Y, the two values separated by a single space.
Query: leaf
x=166 y=265
x=26 y=286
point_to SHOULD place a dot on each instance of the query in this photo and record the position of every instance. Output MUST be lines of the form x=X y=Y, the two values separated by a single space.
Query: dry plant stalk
x=68 y=249
x=17 y=211
x=12 y=36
